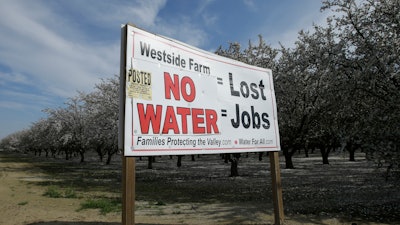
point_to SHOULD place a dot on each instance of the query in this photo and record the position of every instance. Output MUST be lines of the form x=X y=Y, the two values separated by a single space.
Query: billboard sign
x=183 y=100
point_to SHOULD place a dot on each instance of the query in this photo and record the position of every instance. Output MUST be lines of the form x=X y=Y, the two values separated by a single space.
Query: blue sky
x=49 y=50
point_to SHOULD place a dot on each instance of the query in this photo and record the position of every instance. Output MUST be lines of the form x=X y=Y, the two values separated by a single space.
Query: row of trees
x=338 y=86
x=88 y=122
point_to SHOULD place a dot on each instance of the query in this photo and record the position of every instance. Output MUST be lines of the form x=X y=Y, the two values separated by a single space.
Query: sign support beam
x=128 y=192
x=128 y=163
x=276 y=187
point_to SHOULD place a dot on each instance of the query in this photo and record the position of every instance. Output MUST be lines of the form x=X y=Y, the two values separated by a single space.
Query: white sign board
x=183 y=100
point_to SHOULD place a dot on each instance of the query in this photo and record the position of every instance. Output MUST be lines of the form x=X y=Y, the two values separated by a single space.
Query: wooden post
x=128 y=192
x=128 y=163
x=276 y=187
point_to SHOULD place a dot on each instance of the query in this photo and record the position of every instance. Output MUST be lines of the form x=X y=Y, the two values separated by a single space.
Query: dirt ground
x=23 y=178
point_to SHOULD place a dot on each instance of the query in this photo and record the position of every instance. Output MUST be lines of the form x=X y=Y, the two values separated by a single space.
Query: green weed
x=160 y=203
x=23 y=203
x=105 y=205
x=53 y=192
x=56 y=192
x=70 y=193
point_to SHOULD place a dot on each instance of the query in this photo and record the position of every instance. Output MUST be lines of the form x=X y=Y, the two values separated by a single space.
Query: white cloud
x=51 y=49
x=286 y=31
x=183 y=30
x=12 y=105
x=25 y=98
x=190 y=27
x=147 y=11
x=187 y=27
x=111 y=13
x=38 y=42
x=32 y=48
x=209 y=19
x=13 y=78
x=201 y=8
x=250 y=4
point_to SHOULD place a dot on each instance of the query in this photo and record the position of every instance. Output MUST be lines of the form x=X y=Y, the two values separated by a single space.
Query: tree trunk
x=325 y=154
x=234 y=164
x=260 y=156
x=352 y=155
x=388 y=169
x=109 y=156
x=66 y=155
x=306 y=149
x=289 y=161
x=53 y=153
x=351 y=147
x=234 y=167
x=82 y=154
x=227 y=157
x=150 y=162
x=100 y=153
x=288 y=157
x=179 y=163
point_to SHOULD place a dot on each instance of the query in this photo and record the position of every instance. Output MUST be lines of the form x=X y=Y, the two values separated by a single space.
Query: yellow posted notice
x=138 y=84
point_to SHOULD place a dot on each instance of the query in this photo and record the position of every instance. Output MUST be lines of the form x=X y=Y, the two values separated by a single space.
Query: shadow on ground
x=79 y=223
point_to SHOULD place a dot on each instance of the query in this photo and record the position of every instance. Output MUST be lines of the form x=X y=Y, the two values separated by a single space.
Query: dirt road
x=22 y=202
